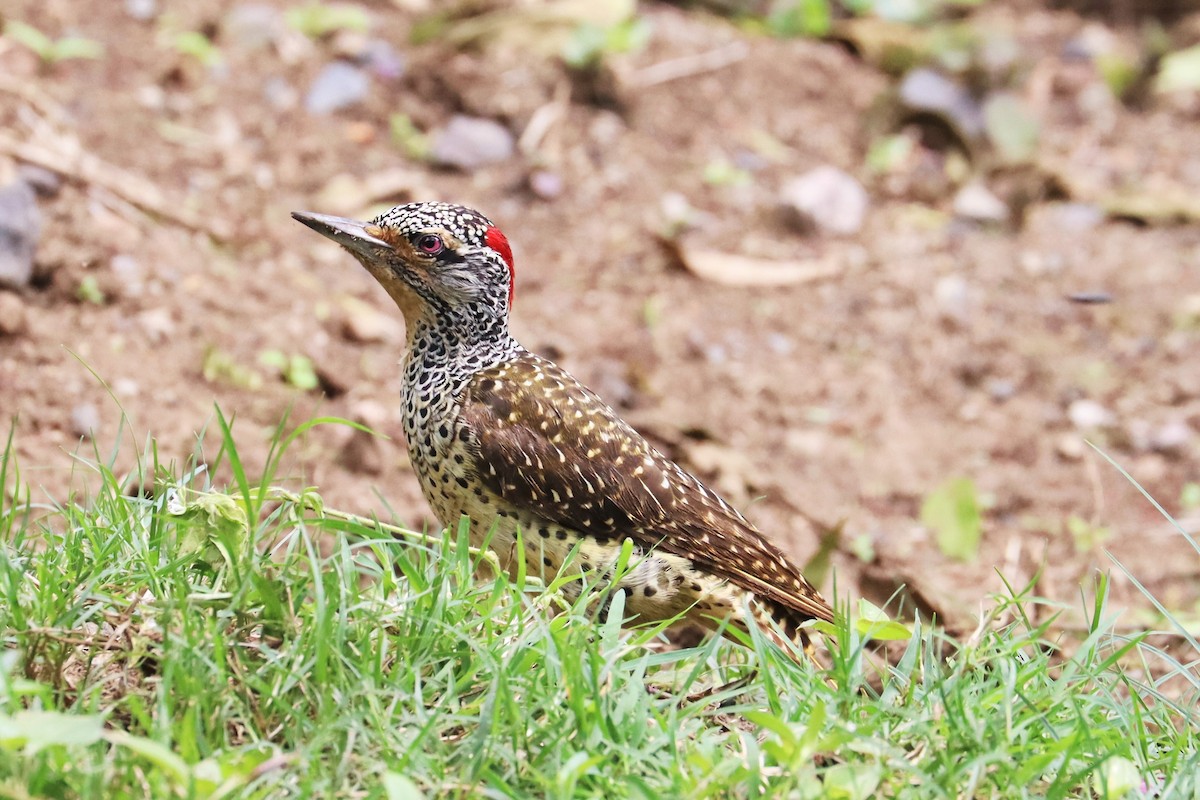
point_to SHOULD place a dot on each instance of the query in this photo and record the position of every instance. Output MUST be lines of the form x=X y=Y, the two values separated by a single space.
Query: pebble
x=1070 y=447
x=1171 y=438
x=468 y=143
x=20 y=226
x=975 y=201
x=252 y=26
x=826 y=197
x=545 y=184
x=1001 y=390
x=46 y=182
x=338 y=85
x=85 y=420
x=952 y=295
x=1088 y=415
x=383 y=60
x=930 y=92
x=129 y=274
x=13 y=319
x=279 y=94
x=157 y=324
x=142 y=10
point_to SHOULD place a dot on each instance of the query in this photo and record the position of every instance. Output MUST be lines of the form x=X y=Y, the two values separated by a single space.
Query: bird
x=545 y=470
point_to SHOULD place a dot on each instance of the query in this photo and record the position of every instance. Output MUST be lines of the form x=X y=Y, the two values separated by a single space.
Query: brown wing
x=549 y=444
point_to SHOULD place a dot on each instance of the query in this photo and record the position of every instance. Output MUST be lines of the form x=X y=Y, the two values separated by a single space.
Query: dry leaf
x=731 y=269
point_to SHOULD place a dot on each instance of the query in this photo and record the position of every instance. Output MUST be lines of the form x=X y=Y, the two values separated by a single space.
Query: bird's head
x=430 y=257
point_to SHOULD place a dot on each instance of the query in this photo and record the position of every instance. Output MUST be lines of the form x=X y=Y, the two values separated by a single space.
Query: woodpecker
x=512 y=441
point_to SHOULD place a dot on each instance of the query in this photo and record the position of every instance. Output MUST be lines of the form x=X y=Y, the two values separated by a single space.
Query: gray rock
x=383 y=60
x=828 y=198
x=45 y=182
x=929 y=92
x=85 y=420
x=20 y=226
x=468 y=143
x=338 y=85
x=975 y=201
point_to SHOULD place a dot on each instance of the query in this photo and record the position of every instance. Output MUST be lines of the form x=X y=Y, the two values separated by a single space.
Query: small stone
x=13 y=321
x=142 y=10
x=126 y=387
x=279 y=94
x=46 y=182
x=1088 y=415
x=20 y=226
x=252 y=26
x=953 y=297
x=826 y=197
x=364 y=324
x=545 y=184
x=129 y=275
x=338 y=85
x=1171 y=438
x=468 y=143
x=383 y=60
x=1070 y=447
x=1076 y=217
x=930 y=92
x=85 y=420
x=157 y=324
x=975 y=201
x=1001 y=390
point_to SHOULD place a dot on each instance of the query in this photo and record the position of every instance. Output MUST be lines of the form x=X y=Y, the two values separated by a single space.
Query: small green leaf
x=1115 y=778
x=89 y=291
x=35 y=730
x=318 y=19
x=851 y=781
x=1011 y=127
x=31 y=37
x=1179 y=71
x=1189 y=497
x=952 y=512
x=874 y=623
x=398 y=787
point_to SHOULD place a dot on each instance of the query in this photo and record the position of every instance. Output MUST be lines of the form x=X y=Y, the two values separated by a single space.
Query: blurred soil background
x=877 y=270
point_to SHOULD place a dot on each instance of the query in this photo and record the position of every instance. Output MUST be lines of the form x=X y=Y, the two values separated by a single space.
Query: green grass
x=171 y=638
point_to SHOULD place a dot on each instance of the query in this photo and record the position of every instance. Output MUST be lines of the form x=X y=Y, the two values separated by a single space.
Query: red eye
x=430 y=243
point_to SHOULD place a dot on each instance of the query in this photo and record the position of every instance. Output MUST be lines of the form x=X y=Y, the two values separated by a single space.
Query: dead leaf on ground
x=731 y=269
x=346 y=194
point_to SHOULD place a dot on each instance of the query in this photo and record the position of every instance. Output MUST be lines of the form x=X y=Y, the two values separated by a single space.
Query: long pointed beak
x=349 y=233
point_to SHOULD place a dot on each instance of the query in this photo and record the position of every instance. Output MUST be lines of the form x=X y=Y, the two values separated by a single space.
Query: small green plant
x=198 y=46
x=589 y=45
x=89 y=291
x=723 y=172
x=221 y=367
x=1086 y=535
x=296 y=369
x=316 y=20
x=52 y=51
x=408 y=137
x=952 y=512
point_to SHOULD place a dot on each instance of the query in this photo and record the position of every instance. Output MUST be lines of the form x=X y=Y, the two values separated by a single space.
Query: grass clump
x=176 y=638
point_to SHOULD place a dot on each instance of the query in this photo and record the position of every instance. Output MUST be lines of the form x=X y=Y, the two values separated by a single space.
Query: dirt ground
x=940 y=347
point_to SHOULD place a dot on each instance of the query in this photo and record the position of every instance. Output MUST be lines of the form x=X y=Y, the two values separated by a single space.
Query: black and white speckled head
x=430 y=257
